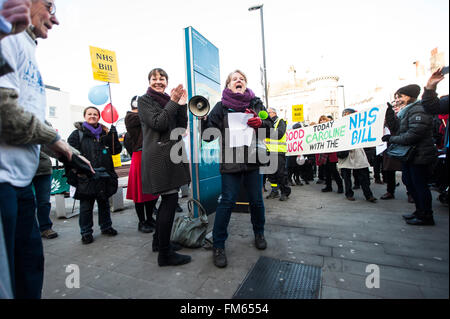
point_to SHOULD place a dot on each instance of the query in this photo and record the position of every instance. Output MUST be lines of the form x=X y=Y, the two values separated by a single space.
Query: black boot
x=173 y=246
x=172 y=258
x=273 y=195
x=143 y=227
x=410 y=216
x=422 y=219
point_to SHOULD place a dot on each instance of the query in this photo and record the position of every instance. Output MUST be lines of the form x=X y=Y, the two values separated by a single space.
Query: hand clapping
x=179 y=95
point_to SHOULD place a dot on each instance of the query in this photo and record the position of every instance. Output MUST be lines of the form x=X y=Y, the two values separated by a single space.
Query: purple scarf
x=95 y=131
x=161 y=98
x=236 y=101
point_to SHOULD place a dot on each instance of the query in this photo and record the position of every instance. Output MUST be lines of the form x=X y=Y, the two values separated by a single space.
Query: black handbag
x=101 y=185
x=403 y=153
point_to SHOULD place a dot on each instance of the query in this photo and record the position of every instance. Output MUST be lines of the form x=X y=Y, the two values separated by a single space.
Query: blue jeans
x=23 y=240
x=86 y=219
x=5 y=275
x=43 y=187
x=415 y=177
x=231 y=184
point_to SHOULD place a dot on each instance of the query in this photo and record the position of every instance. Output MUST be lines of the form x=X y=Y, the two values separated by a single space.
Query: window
x=52 y=111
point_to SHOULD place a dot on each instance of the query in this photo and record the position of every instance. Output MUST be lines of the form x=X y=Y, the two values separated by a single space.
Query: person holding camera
x=96 y=143
x=415 y=128
x=160 y=114
x=435 y=105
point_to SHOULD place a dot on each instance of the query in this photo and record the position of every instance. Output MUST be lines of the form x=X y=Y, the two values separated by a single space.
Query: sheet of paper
x=240 y=133
x=381 y=148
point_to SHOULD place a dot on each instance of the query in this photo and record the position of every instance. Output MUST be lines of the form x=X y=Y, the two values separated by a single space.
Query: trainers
x=49 y=234
x=260 y=242
x=219 y=257
x=87 y=239
x=273 y=195
x=110 y=232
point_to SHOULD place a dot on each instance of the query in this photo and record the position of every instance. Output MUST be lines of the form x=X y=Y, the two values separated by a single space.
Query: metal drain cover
x=277 y=279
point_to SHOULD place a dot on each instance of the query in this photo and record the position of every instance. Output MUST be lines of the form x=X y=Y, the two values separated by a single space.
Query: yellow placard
x=116 y=160
x=104 y=65
x=297 y=113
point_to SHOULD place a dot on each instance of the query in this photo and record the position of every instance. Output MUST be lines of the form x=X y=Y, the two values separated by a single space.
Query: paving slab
x=314 y=228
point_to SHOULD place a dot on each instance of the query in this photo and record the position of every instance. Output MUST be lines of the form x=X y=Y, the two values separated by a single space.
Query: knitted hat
x=349 y=111
x=412 y=90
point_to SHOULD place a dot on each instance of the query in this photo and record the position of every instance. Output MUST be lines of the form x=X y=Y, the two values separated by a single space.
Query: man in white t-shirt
x=18 y=163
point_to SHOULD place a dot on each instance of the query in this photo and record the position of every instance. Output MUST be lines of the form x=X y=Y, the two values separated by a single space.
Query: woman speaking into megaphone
x=237 y=98
x=161 y=113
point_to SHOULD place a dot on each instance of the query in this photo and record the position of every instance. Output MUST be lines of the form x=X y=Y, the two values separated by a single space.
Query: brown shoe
x=410 y=199
x=372 y=199
x=351 y=198
x=387 y=196
x=49 y=234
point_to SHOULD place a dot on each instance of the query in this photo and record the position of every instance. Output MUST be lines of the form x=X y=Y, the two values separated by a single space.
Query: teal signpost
x=203 y=78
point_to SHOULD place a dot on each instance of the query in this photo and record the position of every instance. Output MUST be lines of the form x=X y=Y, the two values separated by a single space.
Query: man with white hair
x=22 y=93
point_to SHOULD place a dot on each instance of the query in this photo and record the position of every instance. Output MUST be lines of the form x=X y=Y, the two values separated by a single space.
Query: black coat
x=218 y=118
x=159 y=173
x=416 y=128
x=97 y=152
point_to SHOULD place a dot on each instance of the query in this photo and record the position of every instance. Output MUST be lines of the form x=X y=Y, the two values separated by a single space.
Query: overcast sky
x=364 y=42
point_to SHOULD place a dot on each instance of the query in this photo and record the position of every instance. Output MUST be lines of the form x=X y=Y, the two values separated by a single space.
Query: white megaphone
x=199 y=106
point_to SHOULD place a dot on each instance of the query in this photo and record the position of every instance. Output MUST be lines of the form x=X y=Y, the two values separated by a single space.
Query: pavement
x=312 y=228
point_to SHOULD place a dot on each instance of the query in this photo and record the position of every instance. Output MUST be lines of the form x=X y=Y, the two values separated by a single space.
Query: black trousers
x=377 y=167
x=332 y=172
x=389 y=179
x=294 y=174
x=280 y=177
x=321 y=173
x=164 y=222
x=362 y=175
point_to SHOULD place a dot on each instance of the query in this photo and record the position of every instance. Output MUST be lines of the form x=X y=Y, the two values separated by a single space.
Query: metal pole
x=112 y=115
x=343 y=94
x=264 y=58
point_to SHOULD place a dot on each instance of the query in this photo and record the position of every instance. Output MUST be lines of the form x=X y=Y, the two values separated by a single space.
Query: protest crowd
x=413 y=140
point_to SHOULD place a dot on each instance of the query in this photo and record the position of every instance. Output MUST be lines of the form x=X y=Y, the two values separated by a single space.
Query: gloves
x=254 y=122
x=249 y=111
x=386 y=138
x=113 y=129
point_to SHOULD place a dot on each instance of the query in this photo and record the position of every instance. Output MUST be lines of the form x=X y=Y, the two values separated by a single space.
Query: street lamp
x=264 y=50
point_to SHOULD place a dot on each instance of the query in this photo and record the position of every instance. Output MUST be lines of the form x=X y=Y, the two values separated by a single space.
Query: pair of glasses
x=50 y=7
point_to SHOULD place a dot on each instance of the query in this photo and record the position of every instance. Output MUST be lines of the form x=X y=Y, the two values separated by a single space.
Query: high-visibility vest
x=277 y=146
